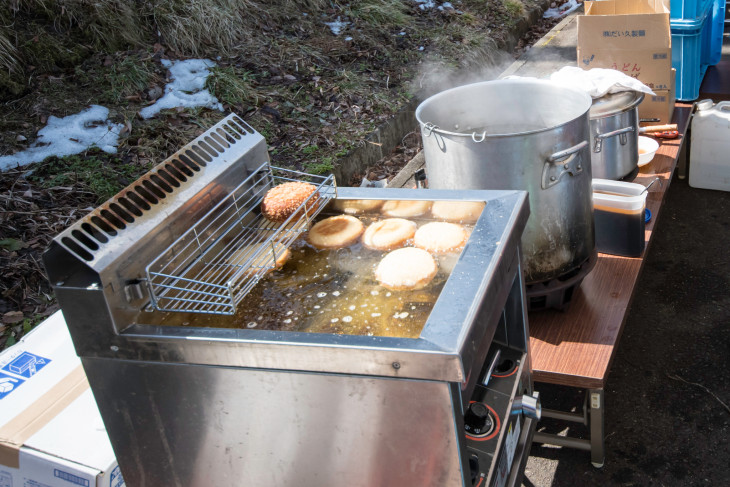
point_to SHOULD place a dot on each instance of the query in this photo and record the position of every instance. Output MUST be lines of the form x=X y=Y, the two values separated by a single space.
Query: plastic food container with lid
x=618 y=209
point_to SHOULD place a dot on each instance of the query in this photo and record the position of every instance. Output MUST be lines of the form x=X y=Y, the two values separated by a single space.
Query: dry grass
x=109 y=23
x=8 y=53
x=189 y=27
x=232 y=86
x=384 y=13
x=514 y=8
x=198 y=25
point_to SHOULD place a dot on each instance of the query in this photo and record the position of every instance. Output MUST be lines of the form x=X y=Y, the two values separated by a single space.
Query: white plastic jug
x=710 y=148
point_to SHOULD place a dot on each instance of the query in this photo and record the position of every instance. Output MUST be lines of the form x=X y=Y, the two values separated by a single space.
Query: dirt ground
x=667 y=399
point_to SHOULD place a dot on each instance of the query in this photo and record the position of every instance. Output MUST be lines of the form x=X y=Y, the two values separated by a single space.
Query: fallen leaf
x=126 y=129
x=12 y=317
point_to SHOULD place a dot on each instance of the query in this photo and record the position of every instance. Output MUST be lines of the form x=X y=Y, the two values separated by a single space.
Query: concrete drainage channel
x=388 y=136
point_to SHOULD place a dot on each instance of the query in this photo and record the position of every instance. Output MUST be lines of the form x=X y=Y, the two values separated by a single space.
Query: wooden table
x=576 y=347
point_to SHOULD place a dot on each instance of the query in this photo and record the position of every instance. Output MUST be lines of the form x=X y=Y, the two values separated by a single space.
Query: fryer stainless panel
x=272 y=428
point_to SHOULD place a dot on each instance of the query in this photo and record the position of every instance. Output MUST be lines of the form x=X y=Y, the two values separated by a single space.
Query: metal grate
x=211 y=267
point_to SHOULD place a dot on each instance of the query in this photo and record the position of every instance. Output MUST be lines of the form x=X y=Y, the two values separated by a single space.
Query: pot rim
x=629 y=105
x=430 y=128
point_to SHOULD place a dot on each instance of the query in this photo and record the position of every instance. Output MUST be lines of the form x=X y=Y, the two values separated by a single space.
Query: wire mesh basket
x=214 y=264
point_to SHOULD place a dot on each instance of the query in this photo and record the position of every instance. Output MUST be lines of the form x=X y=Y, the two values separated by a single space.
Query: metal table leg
x=592 y=416
x=683 y=157
x=684 y=151
x=598 y=448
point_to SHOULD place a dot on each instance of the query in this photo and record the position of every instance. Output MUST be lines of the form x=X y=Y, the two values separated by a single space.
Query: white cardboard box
x=51 y=432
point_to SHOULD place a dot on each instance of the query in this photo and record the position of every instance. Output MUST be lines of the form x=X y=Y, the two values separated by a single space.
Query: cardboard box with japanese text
x=631 y=36
x=51 y=432
x=659 y=106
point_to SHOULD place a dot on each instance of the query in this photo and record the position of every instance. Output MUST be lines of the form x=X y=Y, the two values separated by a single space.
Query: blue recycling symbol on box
x=7 y=385
x=26 y=365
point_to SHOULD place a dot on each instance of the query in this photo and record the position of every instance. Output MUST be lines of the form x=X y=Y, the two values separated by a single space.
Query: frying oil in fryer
x=328 y=291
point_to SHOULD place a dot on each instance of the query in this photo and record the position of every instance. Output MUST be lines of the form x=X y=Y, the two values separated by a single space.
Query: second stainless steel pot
x=615 y=134
x=519 y=134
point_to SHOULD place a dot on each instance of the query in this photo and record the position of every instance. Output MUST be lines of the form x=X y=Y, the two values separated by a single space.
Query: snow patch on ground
x=187 y=88
x=337 y=26
x=429 y=4
x=69 y=135
x=424 y=4
x=563 y=9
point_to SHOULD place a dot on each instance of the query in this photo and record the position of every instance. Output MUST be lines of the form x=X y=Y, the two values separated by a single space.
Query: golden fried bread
x=274 y=255
x=457 y=211
x=357 y=207
x=440 y=237
x=388 y=234
x=406 y=269
x=335 y=232
x=281 y=201
x=405 y=208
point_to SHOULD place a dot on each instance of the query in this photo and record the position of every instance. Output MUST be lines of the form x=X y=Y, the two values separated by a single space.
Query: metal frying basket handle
x=623 y=139
x=562 y=163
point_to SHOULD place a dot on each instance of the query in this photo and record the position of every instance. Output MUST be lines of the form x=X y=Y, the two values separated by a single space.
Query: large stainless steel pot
x=615 y=134
x=519 y=134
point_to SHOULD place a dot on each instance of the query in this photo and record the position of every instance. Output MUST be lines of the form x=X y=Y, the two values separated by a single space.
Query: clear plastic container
x=618 y=210
x=708 y=156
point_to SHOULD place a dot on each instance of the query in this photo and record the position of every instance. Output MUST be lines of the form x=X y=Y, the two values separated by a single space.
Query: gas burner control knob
x=528 y=406
x=477 y=420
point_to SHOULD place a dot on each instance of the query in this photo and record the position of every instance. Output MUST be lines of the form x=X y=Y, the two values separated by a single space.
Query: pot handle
x=430 y=129
x=623 y=138
x=561 y=163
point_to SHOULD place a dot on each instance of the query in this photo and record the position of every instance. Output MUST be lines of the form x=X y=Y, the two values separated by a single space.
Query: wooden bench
x=576 y=347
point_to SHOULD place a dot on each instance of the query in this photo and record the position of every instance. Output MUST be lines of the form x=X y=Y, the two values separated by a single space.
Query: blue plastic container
x=689 y=9
x=712 y=53
x=689 y=39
